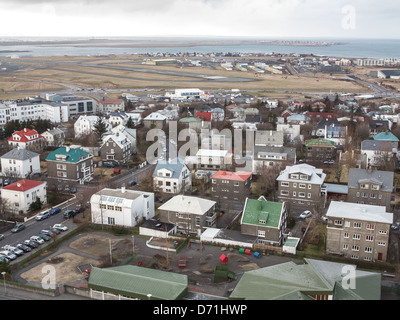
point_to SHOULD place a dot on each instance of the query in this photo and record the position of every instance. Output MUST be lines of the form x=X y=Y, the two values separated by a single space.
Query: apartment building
x=358 y=231
x=116 y=148
x=302 y=185
x=70 y=165
x=265 y=220
x=234 y=185
x=374 y=187
x=320 y=150
x=191 y=215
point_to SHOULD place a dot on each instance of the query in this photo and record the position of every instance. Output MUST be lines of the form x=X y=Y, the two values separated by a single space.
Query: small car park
x=18 y=227
x=43 y=215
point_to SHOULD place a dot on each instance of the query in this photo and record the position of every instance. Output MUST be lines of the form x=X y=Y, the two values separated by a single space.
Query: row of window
x=357 y=236
x=357 y=225
x=294 y=185
x=366 y=249
x=110 y=207
x=371 y=195
x=300 y=194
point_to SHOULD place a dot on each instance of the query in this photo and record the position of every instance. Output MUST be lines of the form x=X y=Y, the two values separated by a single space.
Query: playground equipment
x=223 y=258
x=182 y=262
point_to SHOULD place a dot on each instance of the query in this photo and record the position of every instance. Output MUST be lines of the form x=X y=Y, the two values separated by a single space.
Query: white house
x=25 y=138
x=85 y=125
x=121 y=207
x=213 y=159
x=172 y=176
x=21 y=194
x=54 y=137
x=20 y=163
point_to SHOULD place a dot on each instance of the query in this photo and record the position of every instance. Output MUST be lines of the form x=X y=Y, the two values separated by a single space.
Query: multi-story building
x=111 y=105
x=191 y=215
x=213 y=159
x=320 y=150
x=26 y=139
x=302 y=185
x=265 y=220
x=19 y=195
x=70 y=165
x=373 y=187
x=377 y=153
x=358 y=231
x=172 y=176
x=234 y=185
x=271 y=156
x=155 y=120
x=20 y=163
x=116 y=148
x=121 y=207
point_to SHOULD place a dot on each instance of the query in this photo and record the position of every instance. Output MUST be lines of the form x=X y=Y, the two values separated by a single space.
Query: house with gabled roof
x=265 y=220
x=172 y=176
x=116 y=148
x=25 y=138
x=20 y=163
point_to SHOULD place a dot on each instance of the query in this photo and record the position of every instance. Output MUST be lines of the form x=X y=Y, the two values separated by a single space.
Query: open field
x=82 y=71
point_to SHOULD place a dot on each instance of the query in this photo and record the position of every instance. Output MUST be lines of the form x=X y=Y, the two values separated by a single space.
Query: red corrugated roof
x=24 y=133
x=23 y=185
x=234 y=176
x=206 y=116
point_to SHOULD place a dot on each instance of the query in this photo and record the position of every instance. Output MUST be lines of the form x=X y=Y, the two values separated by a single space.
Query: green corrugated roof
x=320 y=143
x=138 y=282
x=261 y=209
x=73 y=154
x=290 y=281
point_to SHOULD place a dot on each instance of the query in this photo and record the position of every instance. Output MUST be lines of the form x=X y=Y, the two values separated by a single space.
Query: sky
x=202 y=18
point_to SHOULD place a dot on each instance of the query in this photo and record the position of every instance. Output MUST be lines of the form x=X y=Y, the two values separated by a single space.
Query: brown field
x=71 y=72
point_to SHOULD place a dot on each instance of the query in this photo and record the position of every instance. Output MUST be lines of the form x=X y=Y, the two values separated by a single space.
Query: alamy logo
x=349 y=18
x=49 y=280
x=349 y=277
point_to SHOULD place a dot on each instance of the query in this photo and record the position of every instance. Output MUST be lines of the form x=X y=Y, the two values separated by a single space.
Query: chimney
x=67 y=149
x=25 y=129
x=19 y=185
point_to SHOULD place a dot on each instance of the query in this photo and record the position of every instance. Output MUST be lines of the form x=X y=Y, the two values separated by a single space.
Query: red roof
x=24 y=134
x=23 y=185
x=206 y=116
x=234 y=176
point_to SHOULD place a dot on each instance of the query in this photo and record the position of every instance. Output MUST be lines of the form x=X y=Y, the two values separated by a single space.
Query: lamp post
x=4 y=279
x=149 y=296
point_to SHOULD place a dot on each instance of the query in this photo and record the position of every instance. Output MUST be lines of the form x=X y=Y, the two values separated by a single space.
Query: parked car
x=70 y=214
x=37 y=239
x=30 y=243
x=43 y=215
x=24 y=247
x=305 y=214
x=44 y=237
x=9 y=255
x=55 y=211
x=60 y=227
x=3 y=259
x=15 y=250
x=395 y=226
x=109 y=165
x=18 y=227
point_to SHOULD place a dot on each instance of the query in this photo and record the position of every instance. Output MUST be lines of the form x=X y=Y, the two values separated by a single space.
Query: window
x=303 y=177
x=111 y=220
x=380 y=243
x=261 y=233
x=368 y=249
x=345 y=246
x=356 y=236
x=338 y=222
x=346 y=235
x=294 y=176
x=370 y=226
x=364 y=185
x=294 y=193
x=302 y=194
x=302 y=185
x=284 y=193
x=357 y=225
x=355 y=248
x=369 y=238
x=374 y=187
x=284 y=184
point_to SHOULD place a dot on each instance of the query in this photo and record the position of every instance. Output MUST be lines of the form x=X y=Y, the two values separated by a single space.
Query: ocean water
x=349 y=48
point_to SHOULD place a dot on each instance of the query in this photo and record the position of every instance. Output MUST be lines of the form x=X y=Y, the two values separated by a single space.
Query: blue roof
x=175 y=166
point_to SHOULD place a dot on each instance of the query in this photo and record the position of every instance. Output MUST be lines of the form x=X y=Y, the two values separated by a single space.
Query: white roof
x=317 y=175
x=211 y=153
x=357 y=211
x=155 y=116
x=187 y=204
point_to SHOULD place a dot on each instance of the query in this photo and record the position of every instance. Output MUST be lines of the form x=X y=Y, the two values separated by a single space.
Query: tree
x=129 y=123
x=100 y=127
x=36 y=205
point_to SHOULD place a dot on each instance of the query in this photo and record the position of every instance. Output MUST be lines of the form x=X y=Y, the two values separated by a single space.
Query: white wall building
x=172 y=176
x=20 y=163
x=85 y=125
x=121 y=207
x=21 y=194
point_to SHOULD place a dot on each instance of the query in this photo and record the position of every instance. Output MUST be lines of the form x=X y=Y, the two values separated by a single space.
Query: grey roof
x=383 y=178
x=337 y=188
x=175 y=166
x=269 y=137
x=20 y=154
x=272 y=150
x=376 y=145
x=119 y=193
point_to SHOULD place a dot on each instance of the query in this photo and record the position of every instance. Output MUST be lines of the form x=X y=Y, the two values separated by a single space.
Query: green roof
x=72 y=155
x=138 y=282
x=290 y=281
x=320 y=143
x=385 y=136
x=262 y=210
